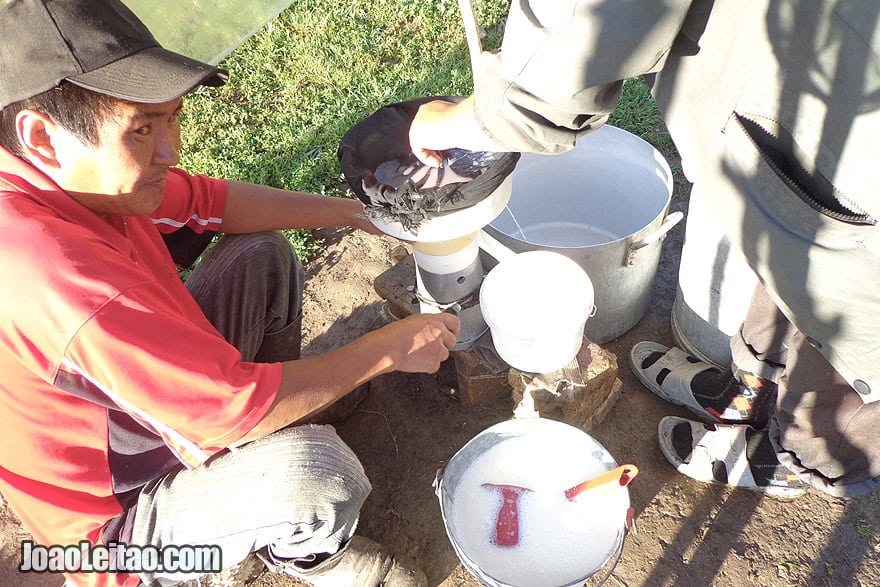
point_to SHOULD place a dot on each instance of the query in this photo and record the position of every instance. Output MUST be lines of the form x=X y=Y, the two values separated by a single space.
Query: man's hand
x=419 y=343
x=427 y=133
x=441 y=125
x=416 y=344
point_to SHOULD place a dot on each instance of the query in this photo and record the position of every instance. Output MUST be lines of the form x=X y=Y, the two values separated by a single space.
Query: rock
x=581 y=394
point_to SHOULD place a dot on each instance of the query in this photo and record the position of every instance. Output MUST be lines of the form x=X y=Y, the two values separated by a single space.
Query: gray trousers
x=297 y=492
x=819 y=426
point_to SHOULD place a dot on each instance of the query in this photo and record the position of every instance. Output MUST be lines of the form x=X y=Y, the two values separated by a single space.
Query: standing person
x=773 y=107
x=136 y=410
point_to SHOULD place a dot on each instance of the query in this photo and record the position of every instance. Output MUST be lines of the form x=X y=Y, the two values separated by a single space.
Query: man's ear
x=36 y=132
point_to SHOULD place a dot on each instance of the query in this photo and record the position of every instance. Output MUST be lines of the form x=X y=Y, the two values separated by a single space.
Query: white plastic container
x=537 y=304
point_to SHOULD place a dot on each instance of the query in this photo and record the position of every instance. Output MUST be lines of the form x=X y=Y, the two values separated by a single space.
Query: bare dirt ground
x=410 y=425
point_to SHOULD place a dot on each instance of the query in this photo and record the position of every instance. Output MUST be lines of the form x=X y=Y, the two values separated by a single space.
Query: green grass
x=320 y=67
x=638 y=114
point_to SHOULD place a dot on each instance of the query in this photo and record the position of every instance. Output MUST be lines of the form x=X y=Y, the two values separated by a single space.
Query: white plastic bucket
x=561 y=542
x=536 y=305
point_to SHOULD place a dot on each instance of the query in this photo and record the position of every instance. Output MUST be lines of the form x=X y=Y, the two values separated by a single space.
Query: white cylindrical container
x=537 y=304
x=447 y=271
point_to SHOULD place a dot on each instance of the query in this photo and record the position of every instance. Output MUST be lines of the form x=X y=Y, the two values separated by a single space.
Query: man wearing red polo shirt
x=137 y=410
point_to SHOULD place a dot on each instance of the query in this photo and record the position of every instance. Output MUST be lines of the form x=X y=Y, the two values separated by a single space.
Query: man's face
x=125 y=172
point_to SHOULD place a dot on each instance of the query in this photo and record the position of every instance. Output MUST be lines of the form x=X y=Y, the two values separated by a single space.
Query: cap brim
x=152 y=75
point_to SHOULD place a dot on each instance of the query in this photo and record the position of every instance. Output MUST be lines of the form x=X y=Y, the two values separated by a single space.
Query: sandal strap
x=676 y=386
x=724 y=446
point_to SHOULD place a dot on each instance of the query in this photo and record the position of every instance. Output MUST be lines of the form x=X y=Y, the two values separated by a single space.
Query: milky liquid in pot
x=566 y=234
x=559 y=541
x=561 y=234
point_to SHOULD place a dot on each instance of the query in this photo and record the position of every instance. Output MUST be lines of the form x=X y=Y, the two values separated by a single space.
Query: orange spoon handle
x=619 y=477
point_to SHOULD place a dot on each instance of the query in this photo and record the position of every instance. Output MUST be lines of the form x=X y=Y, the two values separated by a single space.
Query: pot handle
x=668 y=224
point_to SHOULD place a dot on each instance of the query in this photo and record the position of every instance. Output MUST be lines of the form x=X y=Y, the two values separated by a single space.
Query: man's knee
x=274 y=248
x=313 y=459
x=248 y=286
x=269 y=245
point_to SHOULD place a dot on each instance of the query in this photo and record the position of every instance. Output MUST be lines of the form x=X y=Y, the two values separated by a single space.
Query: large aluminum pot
x=603 y=204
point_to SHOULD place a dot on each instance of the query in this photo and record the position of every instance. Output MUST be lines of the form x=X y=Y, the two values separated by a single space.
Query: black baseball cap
x=97 y=44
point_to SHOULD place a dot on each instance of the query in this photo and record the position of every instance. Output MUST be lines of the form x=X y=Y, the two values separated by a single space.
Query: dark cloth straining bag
x=382 y=171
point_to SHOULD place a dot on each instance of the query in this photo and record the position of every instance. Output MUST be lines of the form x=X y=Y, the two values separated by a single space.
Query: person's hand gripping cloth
x=377 y=162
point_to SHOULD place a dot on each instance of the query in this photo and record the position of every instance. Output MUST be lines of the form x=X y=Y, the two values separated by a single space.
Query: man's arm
x=255 y=208
x=417 y=344
x=557 y=75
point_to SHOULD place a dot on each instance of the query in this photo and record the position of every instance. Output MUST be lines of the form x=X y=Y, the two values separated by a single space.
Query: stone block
x=479 y=383
x=581 y=394
x=397 y=285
